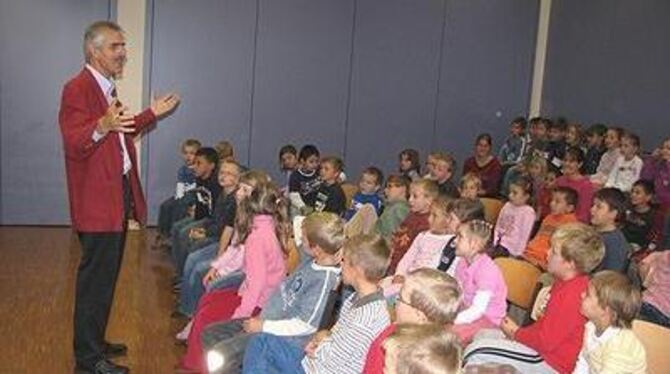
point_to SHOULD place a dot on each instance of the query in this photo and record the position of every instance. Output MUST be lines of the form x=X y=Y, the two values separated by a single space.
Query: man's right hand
x=114 y=120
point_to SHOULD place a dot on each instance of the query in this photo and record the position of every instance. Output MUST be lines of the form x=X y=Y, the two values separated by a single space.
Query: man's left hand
x=163 y=105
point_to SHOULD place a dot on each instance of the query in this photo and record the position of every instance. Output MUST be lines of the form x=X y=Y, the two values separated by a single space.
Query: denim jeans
x=196 y=267
x=651 y=314
x=267 y=353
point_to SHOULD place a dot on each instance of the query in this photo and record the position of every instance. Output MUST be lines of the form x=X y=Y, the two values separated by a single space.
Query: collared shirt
x=107 y=87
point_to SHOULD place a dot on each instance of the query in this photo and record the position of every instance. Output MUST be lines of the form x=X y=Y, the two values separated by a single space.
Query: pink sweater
x=482 y=276
x=425 y=252
x=657 y=281
x=513 y=227
x=264 y=266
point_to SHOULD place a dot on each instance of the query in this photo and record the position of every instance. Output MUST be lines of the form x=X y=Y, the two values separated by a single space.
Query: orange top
x=538 y=248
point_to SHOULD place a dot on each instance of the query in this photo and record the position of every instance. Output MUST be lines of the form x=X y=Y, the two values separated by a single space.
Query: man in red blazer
x=103 y=185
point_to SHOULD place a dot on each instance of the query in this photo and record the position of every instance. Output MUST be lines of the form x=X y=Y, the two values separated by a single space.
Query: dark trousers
x=98 y=270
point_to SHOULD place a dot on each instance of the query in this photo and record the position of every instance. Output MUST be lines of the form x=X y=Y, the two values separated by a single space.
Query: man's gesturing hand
x=164 y=104
x=115 y=120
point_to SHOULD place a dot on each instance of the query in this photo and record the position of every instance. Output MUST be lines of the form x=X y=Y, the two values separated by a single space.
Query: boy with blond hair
x=443 y=169
x=427 y=296
x=362 y=317
x=422 y=192
x=610 y=346
x=425 y=349
x=552 y=343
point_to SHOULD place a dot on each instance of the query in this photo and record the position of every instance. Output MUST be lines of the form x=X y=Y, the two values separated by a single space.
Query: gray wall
x=607 y=61
x=40 y=44
x=358 y=78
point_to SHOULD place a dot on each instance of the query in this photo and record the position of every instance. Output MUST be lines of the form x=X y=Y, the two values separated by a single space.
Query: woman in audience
x=485 y=165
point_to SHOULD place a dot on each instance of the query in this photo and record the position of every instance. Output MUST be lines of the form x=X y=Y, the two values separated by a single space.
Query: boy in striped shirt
x=362 y=318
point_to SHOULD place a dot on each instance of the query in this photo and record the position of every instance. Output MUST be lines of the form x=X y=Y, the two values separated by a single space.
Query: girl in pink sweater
x=515 y=221
x=261 y=225
x=426 y=249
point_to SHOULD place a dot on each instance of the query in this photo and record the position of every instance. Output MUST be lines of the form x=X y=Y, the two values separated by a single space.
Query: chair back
x=350 y=190
x=491 y=209
x=654 y=338
x=521 y=278
x=293 y=259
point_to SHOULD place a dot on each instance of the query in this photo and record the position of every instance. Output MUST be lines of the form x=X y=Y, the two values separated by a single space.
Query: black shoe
x=103 y=367
x=115 y=350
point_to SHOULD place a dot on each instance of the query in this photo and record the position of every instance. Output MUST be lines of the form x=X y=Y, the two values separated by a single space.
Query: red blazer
x=94 y=169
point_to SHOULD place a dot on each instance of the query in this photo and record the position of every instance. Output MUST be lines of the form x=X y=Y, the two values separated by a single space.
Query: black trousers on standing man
x=101 y=257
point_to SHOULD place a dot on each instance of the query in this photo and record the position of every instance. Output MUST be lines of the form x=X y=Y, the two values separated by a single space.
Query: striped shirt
x=344 y=351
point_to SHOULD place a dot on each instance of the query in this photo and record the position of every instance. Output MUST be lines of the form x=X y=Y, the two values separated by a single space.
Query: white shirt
x=107 y=86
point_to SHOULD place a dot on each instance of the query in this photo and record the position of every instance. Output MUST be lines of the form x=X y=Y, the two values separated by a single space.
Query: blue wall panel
x=41 y=44
x=486 y=71
x=301 y=77
x=394 y=80
x=204 y=50
x=607 y=61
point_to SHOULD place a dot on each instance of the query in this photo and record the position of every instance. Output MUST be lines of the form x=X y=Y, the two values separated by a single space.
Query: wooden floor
x=37 y=276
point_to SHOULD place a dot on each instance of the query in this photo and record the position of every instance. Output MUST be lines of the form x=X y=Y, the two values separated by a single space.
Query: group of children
x=415 y=288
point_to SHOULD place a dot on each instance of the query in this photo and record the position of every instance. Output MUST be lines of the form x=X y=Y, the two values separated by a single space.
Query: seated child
x=206 y=194
x=288 y=163
x=210 y=230
x=552 y=343
x=304 y=182
x=330 y=196
x=627 y=167
x=555 y=150
x=610 y=346
x=409 y=164
x=368 y=192
x=536 y=170
x=422 y=194
x=425 y=250
x=362 y=317
x=484 y=300
x=427 y=296
x=396 y=207
x=573 y=178
x=470 y=186
x=422 y=349
x=513 y=149
x=563 y=203
x=225 y=150
x=612 y=152
x=515 y=221
x=595 y=135
x=443 y=169
x=609 y=209
x=458 y=211
x=261 y=225
x=655 y=275
x=643 y=219
x=175 y=207
x=430 y=164
x=293 y=311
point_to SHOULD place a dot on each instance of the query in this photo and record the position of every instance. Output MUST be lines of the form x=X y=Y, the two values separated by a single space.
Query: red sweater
x=374 y=362
x=403 y=237
x=557 y=335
